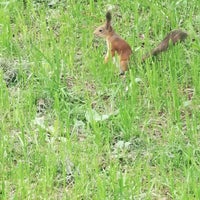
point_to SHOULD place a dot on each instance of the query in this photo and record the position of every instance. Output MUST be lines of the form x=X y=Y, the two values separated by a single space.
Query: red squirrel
x=116 y=44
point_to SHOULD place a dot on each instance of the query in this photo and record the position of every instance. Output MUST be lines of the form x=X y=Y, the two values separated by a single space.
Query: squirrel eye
x=100 y=30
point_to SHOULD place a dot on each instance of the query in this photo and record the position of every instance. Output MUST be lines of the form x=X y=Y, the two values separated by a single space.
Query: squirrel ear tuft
x=108 y=21
x=108 y=17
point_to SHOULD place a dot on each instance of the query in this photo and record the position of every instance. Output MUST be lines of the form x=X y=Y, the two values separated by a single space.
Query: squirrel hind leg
x=123 y=66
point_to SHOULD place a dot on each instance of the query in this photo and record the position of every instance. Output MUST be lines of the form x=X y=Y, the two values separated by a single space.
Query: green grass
x=71 y=128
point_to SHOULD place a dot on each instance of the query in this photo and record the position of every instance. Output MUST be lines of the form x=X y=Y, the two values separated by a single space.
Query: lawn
x=71 y=128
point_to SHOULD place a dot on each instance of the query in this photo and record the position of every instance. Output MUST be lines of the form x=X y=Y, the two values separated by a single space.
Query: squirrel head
x=104 y=30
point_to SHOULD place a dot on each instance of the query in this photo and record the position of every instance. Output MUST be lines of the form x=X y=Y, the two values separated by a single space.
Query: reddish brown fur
x=175 y=36
x=122 y=48
x=116 y=44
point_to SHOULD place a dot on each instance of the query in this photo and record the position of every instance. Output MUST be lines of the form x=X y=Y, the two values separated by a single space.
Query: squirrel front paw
x=106 y=59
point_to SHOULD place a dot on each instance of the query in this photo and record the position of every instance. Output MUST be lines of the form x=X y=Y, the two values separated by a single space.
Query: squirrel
x=117 y=44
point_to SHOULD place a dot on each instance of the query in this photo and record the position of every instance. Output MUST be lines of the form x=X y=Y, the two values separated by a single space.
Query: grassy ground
x=70 y=128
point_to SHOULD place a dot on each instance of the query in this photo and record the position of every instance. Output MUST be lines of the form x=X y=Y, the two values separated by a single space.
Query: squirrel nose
x=94 y=32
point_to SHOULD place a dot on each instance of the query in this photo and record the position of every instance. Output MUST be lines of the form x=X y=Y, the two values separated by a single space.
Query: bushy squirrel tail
x=174 y=36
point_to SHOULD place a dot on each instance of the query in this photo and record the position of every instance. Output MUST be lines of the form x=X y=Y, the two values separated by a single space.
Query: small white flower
x=138 y=80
